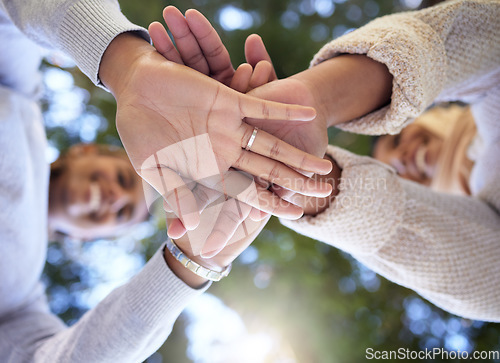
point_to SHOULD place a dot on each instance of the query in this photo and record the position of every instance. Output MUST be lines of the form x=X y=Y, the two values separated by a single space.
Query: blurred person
x=376 y=80
x=94 y=192
x=88 y=191
x=437 y=150
x=200 y=117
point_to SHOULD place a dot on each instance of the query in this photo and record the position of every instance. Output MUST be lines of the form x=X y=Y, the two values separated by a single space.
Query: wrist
x=190 y=278
x=120 y=59
x=193 y=269
x=348 y=86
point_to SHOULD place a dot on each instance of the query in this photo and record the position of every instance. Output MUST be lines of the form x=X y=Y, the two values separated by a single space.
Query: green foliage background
x=327 y=307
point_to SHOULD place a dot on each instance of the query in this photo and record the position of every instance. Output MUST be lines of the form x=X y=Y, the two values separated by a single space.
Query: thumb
x=255 y=51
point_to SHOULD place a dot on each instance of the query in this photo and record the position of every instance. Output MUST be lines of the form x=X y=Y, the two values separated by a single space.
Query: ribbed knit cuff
x=414 y=55
x=156 y=292
x=88 y=28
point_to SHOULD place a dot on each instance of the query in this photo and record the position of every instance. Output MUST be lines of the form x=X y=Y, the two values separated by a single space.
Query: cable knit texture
x=445 y=247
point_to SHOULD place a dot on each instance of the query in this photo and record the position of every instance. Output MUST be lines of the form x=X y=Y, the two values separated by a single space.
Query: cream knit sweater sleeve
x=446 y=248
x=447 y=52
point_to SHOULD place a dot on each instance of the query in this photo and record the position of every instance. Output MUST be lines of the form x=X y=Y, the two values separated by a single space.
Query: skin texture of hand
x=209 y=57
x=199 y=45
x=340 y=89
x=190 y=244
x=311 y=205
x=311 y=137
x=180 y=126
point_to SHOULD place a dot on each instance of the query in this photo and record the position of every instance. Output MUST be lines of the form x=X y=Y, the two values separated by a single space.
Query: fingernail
x=292 y=212
x=319 y=189
x=212 y=247
x=208 y=254
x=325 y=167
x=191 y=220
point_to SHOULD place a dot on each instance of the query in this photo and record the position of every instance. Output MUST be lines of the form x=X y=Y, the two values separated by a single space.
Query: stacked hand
x=184 y=133
x=199 y=47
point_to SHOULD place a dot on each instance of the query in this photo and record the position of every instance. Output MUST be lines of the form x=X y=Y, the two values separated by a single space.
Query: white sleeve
x=83 y=29
x=129 y=325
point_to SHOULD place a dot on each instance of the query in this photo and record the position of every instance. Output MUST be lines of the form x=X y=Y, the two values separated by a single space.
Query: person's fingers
x=230 y=217
x=257 y=215
x=263 y=183
x=166 y=207
x=241 y=186
x=241 y=78
x=271 y=147
x=210 y=43
x=175 y=228
x=270 y=203
x=255 y=51
x=175 y=192
x=204 y=197
x=163 y=43
x=261 y=74
x=269 y=110
x=280 y=174
x=186 y=42
x=283 y=193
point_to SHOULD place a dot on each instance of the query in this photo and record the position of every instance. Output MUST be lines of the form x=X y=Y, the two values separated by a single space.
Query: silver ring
x=252 y=139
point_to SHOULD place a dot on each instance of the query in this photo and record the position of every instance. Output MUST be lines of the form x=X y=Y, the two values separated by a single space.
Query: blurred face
x=413 y=153
x=96 y=196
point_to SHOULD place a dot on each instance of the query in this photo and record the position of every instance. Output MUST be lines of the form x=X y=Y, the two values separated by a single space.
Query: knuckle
x=215 y=52
x=181 y=35
x=265 y=110
x=194 y=58
x=275 y=150
x=274 y=173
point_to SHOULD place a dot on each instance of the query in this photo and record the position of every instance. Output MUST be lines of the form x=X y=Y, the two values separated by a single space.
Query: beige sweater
x=446 y=248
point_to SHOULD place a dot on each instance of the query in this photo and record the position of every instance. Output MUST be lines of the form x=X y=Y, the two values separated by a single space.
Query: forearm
x=347 y=87
x=447 y=52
